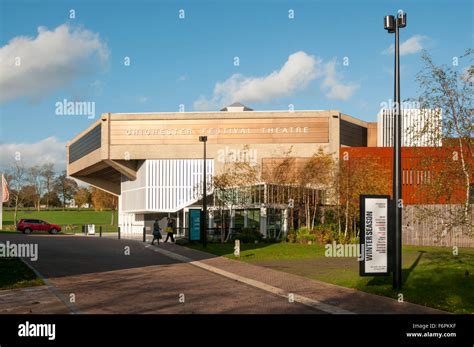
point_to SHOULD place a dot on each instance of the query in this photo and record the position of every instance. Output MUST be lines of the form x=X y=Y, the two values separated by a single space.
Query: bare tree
x=16 y=178
x=36 y=179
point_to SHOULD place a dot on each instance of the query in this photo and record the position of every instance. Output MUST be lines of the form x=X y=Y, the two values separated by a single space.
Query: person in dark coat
x=170 y=230
x=156 y=232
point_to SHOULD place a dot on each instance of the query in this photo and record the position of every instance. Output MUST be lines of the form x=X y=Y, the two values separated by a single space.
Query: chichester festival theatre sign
x=215 y=131
x=375 y=235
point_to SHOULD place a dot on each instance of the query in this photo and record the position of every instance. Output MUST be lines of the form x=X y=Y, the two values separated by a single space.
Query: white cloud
x=334 y=87
x=142 y=99
x=48 y=150
x=413 y=45
x=51 y=60
x=297 y=72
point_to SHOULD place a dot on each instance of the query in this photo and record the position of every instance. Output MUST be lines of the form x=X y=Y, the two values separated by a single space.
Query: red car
x=26 y=226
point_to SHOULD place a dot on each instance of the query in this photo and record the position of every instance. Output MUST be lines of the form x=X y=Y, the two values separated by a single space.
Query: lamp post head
x=401 y=19
x=202 y=138
x=389 y=23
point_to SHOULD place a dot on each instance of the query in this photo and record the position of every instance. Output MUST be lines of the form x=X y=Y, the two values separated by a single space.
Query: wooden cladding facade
x=220 y=131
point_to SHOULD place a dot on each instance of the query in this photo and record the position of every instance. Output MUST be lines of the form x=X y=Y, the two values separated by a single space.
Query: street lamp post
x=392 y=25
x=203 y=139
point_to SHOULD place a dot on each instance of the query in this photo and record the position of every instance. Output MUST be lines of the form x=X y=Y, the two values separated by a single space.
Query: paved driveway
x=102 y=275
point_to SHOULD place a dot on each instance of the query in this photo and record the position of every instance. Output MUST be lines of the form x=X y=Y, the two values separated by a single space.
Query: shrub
x=329 y=216
x=326 y=233
x=291 y=237
x=304 y=234
x=248 y=235
x=181 y=242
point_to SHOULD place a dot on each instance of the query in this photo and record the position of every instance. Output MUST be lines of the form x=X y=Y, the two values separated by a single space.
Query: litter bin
x=90 y=229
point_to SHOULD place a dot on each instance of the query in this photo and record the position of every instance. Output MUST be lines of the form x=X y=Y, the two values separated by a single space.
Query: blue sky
x=177 y=61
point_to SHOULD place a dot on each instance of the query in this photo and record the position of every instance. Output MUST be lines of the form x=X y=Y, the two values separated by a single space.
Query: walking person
x=156 y=232
x=170 y=229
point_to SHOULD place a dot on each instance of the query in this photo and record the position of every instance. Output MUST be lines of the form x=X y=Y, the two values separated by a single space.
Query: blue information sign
x=194 y=225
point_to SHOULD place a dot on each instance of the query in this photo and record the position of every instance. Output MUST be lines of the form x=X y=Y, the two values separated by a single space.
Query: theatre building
x=154 y=161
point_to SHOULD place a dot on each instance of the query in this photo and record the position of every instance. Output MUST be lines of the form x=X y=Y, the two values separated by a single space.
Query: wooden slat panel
x=352 y=134
x=281 y=130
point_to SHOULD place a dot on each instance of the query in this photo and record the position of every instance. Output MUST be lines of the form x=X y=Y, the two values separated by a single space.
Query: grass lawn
x=15 y=274
x=67 y=217
x=432 y=275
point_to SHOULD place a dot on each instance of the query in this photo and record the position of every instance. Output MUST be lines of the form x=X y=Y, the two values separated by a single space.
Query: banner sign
x=194 y=225
x=375 y=235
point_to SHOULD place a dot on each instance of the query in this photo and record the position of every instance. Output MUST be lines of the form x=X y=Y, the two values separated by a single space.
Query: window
x=239 y=219
x=253 y=219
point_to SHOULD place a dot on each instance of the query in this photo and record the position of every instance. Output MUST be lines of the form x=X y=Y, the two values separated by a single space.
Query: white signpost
x=375 y=235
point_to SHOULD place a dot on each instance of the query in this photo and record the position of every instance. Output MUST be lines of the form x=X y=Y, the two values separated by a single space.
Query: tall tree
x=16 y=178
x=30 y=196
x=302 y=180
x=317 y=173
x=357 y=176
x=101 y=199
x=65 y=187
x=82 y=197
x=51 y=199
x=36 y=179
x=449 y=90
x=47 y=171
x=230 y=183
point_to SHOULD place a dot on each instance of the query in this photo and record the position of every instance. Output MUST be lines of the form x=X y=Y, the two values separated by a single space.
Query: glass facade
x=248 y=203
x=253 y=219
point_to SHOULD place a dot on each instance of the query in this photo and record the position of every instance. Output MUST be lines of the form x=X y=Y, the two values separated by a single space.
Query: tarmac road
x=104 y=275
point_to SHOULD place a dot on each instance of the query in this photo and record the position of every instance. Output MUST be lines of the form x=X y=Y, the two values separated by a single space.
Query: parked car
x=26 y=226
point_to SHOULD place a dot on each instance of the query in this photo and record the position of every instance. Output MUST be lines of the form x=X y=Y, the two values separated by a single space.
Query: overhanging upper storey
x=89 y=161
x=113 y=146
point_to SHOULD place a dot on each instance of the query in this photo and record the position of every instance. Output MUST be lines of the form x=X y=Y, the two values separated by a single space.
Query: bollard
x=237 y=248
x=144 y=234
x=118 y=229
x=100 y=231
